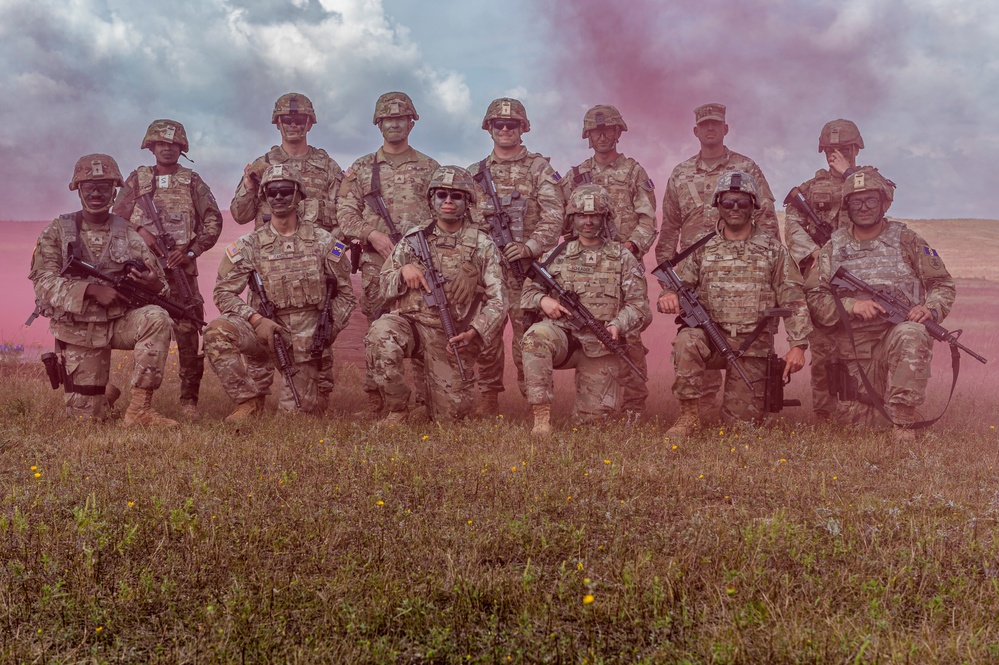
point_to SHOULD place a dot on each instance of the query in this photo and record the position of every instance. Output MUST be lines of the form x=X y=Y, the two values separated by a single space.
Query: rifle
x=136 y=295
x=692 y=312
x=166 y=244
x=377 y=203
x=436 y=297
x=580 y=317
x=324 y=328
x=268 y=309
x=499 y=221
x=823 y=231
x=897 y=311
x=773 y=387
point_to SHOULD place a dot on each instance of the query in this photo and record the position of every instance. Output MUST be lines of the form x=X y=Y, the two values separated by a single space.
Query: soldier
x=840 y=140
x=400 y=174
x=738 y=275
x=467 y=259
x=529 y=191
x=687 y=213
x=89 y=318
x=887 y=255
x=611 y=286
x=297 y=263
x=190 y=217
x=633 y=194
x=294 y=116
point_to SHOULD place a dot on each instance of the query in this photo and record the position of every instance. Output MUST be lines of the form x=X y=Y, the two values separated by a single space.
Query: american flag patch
x=232 y=251
x=348 y=173
x=337 y=249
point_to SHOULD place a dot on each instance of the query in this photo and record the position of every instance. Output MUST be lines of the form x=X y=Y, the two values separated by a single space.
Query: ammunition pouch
x=55 y=368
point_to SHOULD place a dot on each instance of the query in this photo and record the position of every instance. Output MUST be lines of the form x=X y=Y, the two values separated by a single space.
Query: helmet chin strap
x=96 y=211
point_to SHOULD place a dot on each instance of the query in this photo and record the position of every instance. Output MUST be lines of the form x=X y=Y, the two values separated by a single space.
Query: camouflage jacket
x=687 y=211
x=610 y=284
x=487 y=311
x=632 y=191
x=194 y=209
x=293 y=270
x=322 y=177
x=537 y=186
x=824 y=194
x=404 y=182
x=738 y=280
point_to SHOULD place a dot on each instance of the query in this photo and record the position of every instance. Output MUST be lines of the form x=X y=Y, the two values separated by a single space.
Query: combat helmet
x=95 y=167
x=589 y=199
x=168 y=131
x=867 y=179
x=276 y=172
x=507 y=108
x=293 y=102
x=840 y=133
x=394 y=104
x=451 y=177
x=601 y=115
x=736 y=181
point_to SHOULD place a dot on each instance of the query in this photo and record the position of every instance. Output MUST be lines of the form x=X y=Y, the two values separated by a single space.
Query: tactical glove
x=461 y=288
x=516 y=251
x=264 y=328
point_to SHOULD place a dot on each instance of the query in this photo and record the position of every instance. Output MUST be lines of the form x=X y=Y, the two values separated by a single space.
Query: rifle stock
x=823 y=231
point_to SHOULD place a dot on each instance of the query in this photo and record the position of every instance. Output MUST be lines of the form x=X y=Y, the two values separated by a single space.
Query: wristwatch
x=190 y=255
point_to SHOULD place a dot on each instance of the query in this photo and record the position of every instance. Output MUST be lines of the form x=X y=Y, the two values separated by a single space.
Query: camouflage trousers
x=146 y=330
x=188 y=336
x=246 y=367
x=821 y=348
x=636 y=392
x=598 y=386
x=694 y=356
x=493 y=359
x=392 y=338
x=898 y=367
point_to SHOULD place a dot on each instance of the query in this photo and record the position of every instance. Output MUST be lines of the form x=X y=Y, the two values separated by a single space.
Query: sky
x=919 y=77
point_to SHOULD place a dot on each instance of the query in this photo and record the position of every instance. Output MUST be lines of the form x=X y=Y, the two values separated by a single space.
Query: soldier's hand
x=615 y=334
x=105 y=295
x=837 y=162
x=381 y=242
x=668 y=303
x=463 y=338
x=147 y=279
x=150 y=240
x=865 y=310
x=413 y=277
x=516 y=251
x=250 y=179
x=920 y=313
x=552 y=308
x=461 y=288
x=795 y=359
x=264 y=329
x=177 y=259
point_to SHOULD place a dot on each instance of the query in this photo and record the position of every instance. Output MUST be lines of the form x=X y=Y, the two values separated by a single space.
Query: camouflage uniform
x=613 y=287
x=293 y=270
x=896 y=358
x=413 y=328
x=190 y=214
x=736 y=282
x=85 y=331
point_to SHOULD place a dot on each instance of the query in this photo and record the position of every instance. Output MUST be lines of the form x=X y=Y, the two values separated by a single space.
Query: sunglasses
x=454 y=195
x=859 y=204
x=279 y=191
x=741 y=204
x=506 y=124
x=293 y=119
x=96 y=187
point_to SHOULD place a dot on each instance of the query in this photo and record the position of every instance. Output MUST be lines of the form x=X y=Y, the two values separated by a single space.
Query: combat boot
x=140 y=411
x=542 y=421
x=374 y=408
x=189 y=411
x=394 y=417
x=688 y=422
x=488 y=405
x=903 y=415
x=111 y=394
x=246 y=410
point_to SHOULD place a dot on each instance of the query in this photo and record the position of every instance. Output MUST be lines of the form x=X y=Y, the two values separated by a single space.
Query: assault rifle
x=166 y=243
x=377 y=203
x=896 y=311
x=823 y=231
x=136 y=295
x=324 y=328
x=268 y=310
x=773 y=387
x=580 y=317
x=692 y=312
x=499 y=221
x=436 y=297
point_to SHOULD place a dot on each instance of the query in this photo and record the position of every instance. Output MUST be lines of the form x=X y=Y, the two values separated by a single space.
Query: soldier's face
x=865 y=208
x=505 y=133
x=604 y=139
x=166 y=153
x=96 y=195
x=450 y=204
x=741 y=211
x=396 y=128
x=281 y=196
x=294 y=127
x=587 y=224
x=711 y=133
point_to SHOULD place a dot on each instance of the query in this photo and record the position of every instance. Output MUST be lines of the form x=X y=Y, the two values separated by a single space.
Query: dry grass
x=308 y=540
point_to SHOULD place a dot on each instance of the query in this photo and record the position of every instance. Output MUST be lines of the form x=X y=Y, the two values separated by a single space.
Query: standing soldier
x=886 y=255
x=738 y=275
x=89 y=318
x=687 y=211
x=840 y=140
x=304 y=273
x=468 y=261
x=529 y=193
x=611 y=285
x=175 y=213
x=396 y=175
x=294 y=116
x=634 y=198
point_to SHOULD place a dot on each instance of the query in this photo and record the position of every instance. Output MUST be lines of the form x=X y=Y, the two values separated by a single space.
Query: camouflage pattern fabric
x=824 y=193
